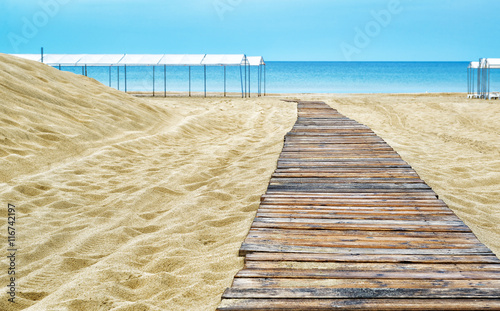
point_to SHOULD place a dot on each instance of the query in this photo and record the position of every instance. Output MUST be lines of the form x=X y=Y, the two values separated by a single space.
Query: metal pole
x=59 y=66
x=125 y=70
x=41 y=52
x=258 y=80
x=264 y=80
x=241 y=79
x=189 y=81
x=153 y=81
x=468 y=81
x=488 y=75
x=109 y=76
x=86 y=70
x=245 y=78
x=224 y=81
x=205 y=78
x=249 y=83
x=165 y=80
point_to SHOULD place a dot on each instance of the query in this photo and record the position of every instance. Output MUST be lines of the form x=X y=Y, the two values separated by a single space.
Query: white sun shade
x=100 y=59
x=256 y=60
x=141 y=59
x=62 y=59
x=224 y=60
x=474 y=65
x=181 y=59
x=493 y=62
x=145 y=59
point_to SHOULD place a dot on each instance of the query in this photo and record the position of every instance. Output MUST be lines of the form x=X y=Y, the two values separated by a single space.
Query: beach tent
x=259 y=61
x=153 y=60
x=484 y=77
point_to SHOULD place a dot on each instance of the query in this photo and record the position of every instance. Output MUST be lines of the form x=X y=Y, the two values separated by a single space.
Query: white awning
x=493 y=62
x=474 y=65
x=256 y=60
x=224 y=60
x=100 y=59
x=141 y=59
x=62 y=59
x=182 y=59
x=145 y=59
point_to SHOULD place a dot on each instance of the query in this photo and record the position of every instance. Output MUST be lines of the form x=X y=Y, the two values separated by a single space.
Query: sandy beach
x=128 y=203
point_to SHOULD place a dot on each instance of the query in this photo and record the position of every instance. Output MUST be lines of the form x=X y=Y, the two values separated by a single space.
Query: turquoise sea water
x=298 y=77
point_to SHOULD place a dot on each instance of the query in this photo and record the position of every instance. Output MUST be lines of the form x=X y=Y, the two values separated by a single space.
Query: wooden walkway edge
x=347 y=224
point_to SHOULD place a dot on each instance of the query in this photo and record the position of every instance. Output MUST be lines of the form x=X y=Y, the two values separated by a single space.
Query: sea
x=292 y=77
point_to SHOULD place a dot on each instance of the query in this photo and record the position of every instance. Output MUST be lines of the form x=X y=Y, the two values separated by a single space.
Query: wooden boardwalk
x=347 y=224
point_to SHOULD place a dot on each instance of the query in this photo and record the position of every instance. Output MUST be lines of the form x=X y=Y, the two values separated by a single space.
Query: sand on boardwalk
x=127 y=203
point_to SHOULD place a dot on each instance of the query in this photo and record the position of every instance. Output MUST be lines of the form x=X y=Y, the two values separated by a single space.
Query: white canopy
x=62 y=59
x=100 y=59
x=493 y=62
x=181 y=59
x=140 y=59
x=145 y=59
x=256 y=60
x=474 y=65
x=224 y=60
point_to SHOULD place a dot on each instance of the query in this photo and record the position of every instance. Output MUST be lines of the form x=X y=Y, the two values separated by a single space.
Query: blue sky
x=316 y=30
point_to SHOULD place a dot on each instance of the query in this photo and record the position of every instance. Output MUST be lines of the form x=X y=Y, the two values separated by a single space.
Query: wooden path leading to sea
x=347 y=224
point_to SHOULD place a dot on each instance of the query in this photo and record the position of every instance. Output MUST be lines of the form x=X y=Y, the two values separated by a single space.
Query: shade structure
x=256 y=60
x=483 y=68
x=493 y=63
x=164 y=60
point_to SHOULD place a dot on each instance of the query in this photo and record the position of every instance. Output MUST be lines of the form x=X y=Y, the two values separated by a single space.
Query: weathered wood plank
x=359 y=304
x=366 y=258
x=381 y=274
x=361 y=293
x=361 y=283
x=247 y=248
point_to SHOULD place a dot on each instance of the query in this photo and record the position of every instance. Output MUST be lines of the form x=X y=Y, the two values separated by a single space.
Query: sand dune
x=125 y=203
x=128 y=203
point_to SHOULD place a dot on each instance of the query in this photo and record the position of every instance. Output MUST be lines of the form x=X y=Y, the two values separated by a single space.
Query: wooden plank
x=361 y=283
x=394 y=258
x=381 y=274
x=361 y=293
x=376 y=234
x=247 y=248
x=359 y=304
x=365 y=267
